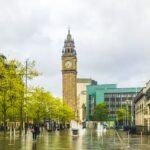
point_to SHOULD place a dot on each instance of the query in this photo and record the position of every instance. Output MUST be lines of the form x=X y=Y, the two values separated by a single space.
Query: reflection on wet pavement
x=89 y=139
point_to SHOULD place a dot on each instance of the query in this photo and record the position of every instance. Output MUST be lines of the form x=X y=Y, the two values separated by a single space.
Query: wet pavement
x=89 y=139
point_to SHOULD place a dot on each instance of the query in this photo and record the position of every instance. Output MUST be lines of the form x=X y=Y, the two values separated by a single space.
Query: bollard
x=14 y=132
x=102 y=139
x=114 y=137
x=141 y=138
x=91 y=135
x=128 y=137
x=10 y=131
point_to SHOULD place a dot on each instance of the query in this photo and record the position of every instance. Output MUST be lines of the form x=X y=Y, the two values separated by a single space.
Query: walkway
x=88 y=140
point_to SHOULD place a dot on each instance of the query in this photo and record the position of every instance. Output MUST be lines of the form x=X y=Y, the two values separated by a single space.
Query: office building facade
x=114 y=98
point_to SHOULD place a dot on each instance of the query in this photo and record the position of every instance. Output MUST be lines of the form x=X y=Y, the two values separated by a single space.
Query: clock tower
x=69 y=73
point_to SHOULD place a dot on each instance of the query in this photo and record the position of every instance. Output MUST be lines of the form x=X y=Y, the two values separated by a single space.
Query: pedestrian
x=37 y=129
x=34 y=132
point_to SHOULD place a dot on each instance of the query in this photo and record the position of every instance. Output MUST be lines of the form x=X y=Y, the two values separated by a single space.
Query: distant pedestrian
x=26 y=128
x=37 y=129
x=34 y=132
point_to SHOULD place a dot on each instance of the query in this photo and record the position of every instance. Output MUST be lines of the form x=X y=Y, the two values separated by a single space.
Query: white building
x=82 y=83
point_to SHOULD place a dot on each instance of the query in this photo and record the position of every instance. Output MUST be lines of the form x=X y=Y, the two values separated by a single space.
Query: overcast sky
x=112 y=38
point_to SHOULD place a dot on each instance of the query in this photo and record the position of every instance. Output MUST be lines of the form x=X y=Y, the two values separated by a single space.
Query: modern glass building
x=113 y=97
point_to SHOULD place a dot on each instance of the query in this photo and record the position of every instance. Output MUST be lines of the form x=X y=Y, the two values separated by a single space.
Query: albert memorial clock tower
x=69 y=73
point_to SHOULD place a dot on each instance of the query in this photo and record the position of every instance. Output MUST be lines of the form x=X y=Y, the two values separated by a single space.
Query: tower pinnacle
x=69 y=47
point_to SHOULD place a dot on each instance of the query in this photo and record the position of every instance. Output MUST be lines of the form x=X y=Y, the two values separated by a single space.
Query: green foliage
x=66 y=114
x=17 y=103
x=27 y=70
x=12 y=89
x=100 y=112
x=37 y=104
x=43 y=106
x=123 y=114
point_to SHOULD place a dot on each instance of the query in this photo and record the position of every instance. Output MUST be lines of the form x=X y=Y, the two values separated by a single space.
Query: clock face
x=68 y=64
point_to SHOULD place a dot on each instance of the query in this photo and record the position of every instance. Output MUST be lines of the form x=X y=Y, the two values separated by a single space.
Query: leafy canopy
x=100 y=112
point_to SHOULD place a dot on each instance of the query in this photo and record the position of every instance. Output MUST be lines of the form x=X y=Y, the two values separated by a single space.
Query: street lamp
x=26 y=91
x=127 y=112
x=132 y=107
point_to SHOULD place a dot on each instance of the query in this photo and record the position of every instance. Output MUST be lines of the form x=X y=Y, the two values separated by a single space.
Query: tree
x=10 y=82
x=43 y=106
x=100 y=112
x=26 y=72
x=13 y=89
x=66 y=114
x=17 y=101
x=123 y=115
x=38 y=103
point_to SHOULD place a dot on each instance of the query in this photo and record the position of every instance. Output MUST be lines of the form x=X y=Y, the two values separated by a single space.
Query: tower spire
x=69 y=38
x=69 y=47
x=68 y=30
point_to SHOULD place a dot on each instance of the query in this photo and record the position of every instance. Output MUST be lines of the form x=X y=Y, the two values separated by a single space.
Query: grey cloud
x=111 y=37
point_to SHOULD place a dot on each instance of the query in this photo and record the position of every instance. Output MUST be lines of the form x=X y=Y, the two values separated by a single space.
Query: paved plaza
x=89 y=139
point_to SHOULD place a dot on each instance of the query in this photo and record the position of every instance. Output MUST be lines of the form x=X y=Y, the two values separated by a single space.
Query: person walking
x=34 y=132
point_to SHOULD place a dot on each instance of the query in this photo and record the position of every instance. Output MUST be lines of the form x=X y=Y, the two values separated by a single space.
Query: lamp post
x=109 y=112
x=127 y=112
x=131 y=113
x=26 y=91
